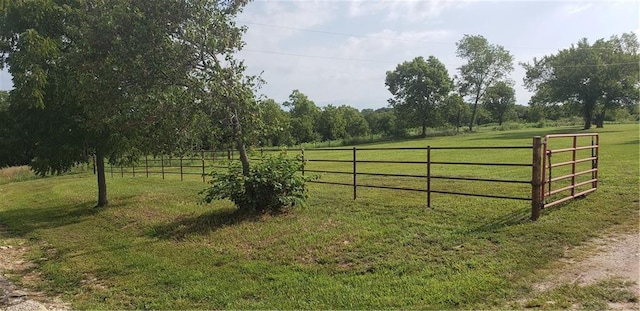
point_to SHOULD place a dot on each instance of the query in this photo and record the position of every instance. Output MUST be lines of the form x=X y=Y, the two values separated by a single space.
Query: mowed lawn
x=155 y=247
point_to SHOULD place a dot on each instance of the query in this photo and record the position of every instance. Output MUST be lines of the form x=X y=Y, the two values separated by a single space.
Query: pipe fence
x=362 y=167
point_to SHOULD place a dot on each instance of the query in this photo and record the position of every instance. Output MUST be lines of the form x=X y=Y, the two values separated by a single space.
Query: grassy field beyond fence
x=156 y=247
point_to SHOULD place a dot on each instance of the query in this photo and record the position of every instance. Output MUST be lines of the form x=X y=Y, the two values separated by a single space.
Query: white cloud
x=270 y=22
x=576 y=8
x=411 y=10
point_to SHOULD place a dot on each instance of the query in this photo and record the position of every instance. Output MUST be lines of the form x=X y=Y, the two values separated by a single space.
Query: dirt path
x=13 y=263
x=612 y=257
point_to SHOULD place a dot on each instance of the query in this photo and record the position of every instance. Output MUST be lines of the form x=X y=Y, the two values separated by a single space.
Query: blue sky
x=337 y=52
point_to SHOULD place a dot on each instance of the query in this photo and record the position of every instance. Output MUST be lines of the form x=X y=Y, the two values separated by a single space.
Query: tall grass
x=16 y=174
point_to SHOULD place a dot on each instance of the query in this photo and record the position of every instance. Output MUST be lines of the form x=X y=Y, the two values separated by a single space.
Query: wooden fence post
x=355 y=174
x=536 y=179
x=428 y=176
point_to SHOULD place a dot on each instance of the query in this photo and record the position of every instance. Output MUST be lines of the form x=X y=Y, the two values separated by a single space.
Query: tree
x=96 y=76
x=14 y=147
x=594 y=78
x=381 y=121
x=304 y=114
x=456 y=111
x=499 y=100
x=356 y=125
x=331 y=123
x=277 y=124
x=486 y=65
x=418 y=88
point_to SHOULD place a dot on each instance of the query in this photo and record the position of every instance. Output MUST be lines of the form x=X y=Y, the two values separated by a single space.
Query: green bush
x=272 y=184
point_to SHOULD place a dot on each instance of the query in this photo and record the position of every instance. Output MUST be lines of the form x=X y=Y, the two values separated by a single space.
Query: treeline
x=299 y=120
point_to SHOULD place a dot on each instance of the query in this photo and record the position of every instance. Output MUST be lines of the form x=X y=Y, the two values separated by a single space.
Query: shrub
x=272 y=184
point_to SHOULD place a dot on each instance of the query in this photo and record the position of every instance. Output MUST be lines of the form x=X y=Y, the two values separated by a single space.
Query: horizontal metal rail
x=571 y=149
x=577 y=195
x=405 y=148
x=574 y=186
x=573 y=162
x=481 y=163
x=572 y=175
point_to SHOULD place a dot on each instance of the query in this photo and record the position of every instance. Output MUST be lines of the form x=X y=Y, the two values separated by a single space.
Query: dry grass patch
x=15 y=174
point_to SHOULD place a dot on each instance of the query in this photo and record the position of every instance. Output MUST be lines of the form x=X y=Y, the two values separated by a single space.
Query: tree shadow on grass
x=202 y=224
x=23 y=221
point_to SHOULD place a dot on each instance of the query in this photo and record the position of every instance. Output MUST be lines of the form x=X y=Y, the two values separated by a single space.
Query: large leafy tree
x=355 y=124
x=304 y=114
x=218 y=84
x=592 y=78
x=456 y=111
x=486 y=65
x=331 y=123
x=380 y=121
x=277 y=124
x=101 y=76
x=419 y=88
x=499 y=100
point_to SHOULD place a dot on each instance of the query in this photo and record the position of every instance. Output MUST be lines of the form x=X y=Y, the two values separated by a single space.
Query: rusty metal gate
x=570 y=167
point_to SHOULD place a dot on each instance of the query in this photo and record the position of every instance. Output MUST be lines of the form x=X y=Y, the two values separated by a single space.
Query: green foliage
x=304 y=114
x=486 y=65
x=499 y=100
x=592 y=78
x=273 y=184
x=419 y=88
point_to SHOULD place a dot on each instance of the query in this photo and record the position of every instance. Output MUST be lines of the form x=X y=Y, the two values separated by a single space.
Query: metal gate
x=570 y=167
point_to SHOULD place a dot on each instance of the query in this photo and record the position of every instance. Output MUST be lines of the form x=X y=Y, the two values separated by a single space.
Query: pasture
x=155 y=247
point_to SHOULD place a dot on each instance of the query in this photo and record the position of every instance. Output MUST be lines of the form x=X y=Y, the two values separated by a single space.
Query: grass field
x=156 y=247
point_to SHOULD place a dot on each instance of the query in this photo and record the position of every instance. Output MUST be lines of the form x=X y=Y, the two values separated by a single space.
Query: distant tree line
x=120 y=79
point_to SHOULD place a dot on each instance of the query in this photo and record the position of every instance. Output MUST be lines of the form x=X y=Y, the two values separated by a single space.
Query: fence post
x=355 y=174
x=162 y=165
x=536 y=179
x=428 y=176
x=303 y=163
x=202 y=154
x=146 y=165
x=181 y=178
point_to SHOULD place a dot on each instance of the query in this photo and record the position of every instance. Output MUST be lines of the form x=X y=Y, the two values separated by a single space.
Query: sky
x=338 y=51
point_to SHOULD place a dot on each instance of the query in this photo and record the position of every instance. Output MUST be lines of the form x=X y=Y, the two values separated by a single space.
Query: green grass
x=156 y=247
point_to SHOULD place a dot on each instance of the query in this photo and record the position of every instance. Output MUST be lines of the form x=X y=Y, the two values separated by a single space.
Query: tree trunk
x=600 y=120
x=244 y=159
x=473 y=113
x=424 y=129
x=102 y=183
x=588 y=114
